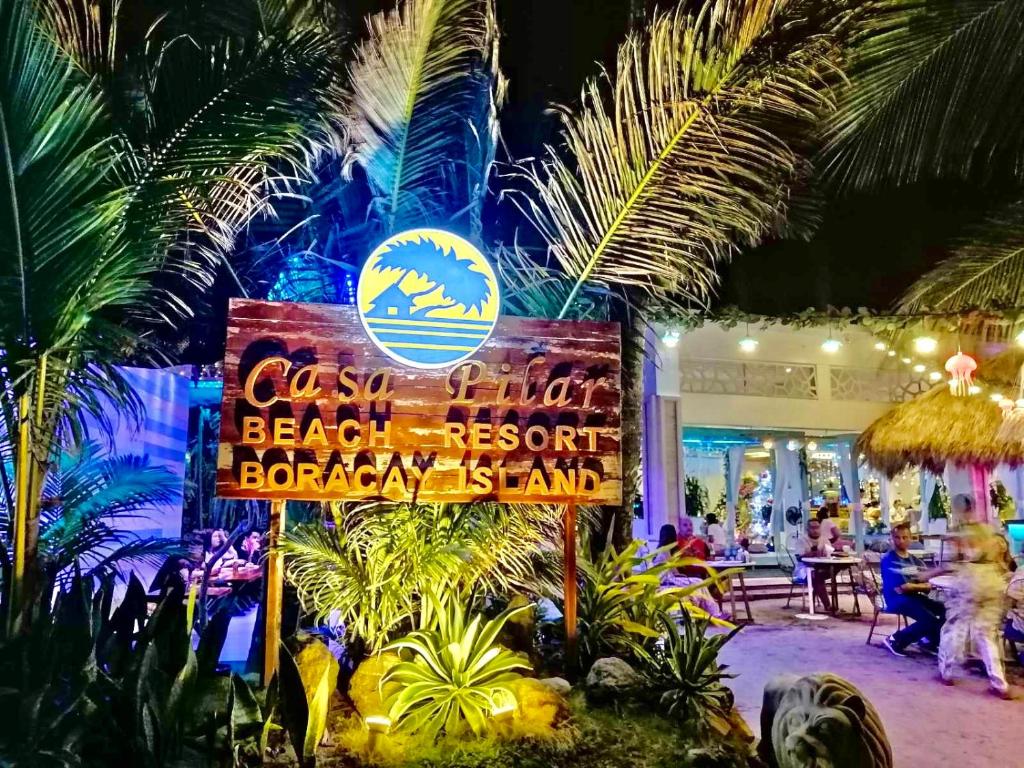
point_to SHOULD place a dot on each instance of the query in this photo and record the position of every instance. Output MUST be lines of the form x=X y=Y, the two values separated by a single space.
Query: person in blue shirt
x=905 y=589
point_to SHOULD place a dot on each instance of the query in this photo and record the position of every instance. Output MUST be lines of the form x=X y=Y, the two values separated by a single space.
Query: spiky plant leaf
x=422 y=113
x=934 y=90
x=690 y=151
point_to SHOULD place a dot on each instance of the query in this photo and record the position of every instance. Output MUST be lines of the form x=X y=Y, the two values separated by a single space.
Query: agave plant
x=457 y=676
x=379 y=559
x=684 y=668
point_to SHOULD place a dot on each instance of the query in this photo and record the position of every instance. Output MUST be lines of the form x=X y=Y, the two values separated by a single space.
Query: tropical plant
x=121 y=204
x=302 y=702
x=92 y=687
x=379 y=559
x=621 y=598
x=457 y=677
x=697 y=502
x=684 y=669
x=928 y=85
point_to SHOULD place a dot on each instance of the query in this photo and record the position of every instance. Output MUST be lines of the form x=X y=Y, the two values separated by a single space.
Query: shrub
x=457 y=676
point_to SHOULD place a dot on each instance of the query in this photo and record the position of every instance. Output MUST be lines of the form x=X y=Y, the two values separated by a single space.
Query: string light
x=880 y=346
x=925 y=345
x=934 y=376
x=920 y=368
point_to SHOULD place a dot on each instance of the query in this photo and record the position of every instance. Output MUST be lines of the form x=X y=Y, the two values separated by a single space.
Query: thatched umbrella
x=937 y=427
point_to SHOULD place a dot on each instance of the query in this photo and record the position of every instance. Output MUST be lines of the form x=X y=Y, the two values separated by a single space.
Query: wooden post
x=275 y=591
x=569 y=588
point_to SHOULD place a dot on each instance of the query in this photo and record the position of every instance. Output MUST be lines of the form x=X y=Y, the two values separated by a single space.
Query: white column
x=664 y=478
x=848 y=470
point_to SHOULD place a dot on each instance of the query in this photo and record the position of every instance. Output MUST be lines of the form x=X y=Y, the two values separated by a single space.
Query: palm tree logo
x=428 y=298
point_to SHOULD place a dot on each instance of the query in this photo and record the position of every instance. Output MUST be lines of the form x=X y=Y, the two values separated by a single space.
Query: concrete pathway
x=929 y=725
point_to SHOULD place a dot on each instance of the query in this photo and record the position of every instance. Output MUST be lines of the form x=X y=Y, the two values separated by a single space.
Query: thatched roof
x=937 y=427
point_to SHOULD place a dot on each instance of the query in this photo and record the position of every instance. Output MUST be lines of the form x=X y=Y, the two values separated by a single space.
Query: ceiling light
x=935 y=376
x=670 y=338
x=891 y=353
x=811 y=445
x=831 y=346
x=996 y=397
x=905 y=360
x=920 y=368
x=748 y=344
x=880 y=346
x=925 y=345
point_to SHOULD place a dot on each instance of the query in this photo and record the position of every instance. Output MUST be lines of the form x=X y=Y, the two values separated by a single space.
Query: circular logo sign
x=428 y=298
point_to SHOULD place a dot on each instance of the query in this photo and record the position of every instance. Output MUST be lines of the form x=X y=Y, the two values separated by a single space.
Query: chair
x=873 y=591
x=788 y=567
x=1012 y=636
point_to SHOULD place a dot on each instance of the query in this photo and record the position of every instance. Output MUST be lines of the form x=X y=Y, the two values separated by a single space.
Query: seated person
x=829 y=528
x=715 y=532
x=905 y=589
x=690 y=545
x=252 y=546
x=218 y=538
x=701 y=597
x=813 y=544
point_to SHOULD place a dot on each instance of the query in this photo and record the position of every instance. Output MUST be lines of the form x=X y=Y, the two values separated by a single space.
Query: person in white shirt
x=813 y=544
x=715 y=532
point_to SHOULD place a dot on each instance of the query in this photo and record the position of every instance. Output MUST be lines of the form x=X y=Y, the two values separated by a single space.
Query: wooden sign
x=314 y=410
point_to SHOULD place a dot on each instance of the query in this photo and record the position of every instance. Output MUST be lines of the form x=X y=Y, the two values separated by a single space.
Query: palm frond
x=422 y=113
x=985 y=269
x=691 y=149
x=934 y=89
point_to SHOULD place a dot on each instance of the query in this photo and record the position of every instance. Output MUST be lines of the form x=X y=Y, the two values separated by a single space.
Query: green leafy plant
x=697 y=502
x=684 y=668
x=380 y=558
x=457 y=675
x=621 y=597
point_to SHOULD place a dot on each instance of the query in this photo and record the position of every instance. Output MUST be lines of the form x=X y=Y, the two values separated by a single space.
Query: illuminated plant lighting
x=671 y=338
x=831 y=346
x=748 y=344
x=502 y=714
x=377 y=725
x=925 y=345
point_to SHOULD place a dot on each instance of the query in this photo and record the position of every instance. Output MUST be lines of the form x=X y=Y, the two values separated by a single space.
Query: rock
x=364 y=687
x=540 y=708
x=559 y=685
x=611 y=678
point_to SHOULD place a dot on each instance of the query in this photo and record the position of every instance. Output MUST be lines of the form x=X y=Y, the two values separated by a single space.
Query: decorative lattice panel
x=760 y=379
x=873 y=385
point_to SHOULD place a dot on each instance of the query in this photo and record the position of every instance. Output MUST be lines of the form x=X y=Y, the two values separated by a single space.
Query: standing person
x=813 y=544
x=905 y=589
x=715 y=532
x=975 y=608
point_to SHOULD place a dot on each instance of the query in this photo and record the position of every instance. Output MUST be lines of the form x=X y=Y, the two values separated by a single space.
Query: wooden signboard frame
x=314 y=410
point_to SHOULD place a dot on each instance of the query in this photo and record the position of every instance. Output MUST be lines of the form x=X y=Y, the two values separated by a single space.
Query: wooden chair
x=873 y=591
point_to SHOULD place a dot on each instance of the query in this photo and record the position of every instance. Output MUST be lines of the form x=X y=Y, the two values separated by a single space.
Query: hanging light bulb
x=831 y=346
x=767 y=443
x=925 y=345
x=812 y=446
x=961 y=368
x=920 y=368
x=880 y=346
x=670 y=338
x=934 y=376
x=748 y=344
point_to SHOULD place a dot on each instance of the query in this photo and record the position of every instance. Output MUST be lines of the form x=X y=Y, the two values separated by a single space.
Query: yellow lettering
x=508 y=437
x=565 y=438
x=366 y=479
x=421 y=475
x=348 y=433
x=588 y=389
x=253 y=430
x=251 y=476
x=536 y=485
x=561 y=387
x=309 y=478
x=377 y=385
x=591 y=435
x=254 y=375
x=337 y=482
x=480 y=436
x=348 y=387
x=284 y=431
x=304 y=385
x=394 y=485
x=524 y=397
x=536 y=438
x=454 y=434
x=466 y=380
x=504 y=380
x=380 y=435
x=563 y=483
x=276 y=482
x=590 y=482
x=483 y=480
x=315 y=434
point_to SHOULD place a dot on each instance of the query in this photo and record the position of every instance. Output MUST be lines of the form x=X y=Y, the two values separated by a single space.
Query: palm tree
x=934 y=92
x=114 y=203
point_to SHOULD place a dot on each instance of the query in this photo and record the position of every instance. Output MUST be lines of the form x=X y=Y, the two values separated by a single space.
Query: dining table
x=736 y=578
x=834 y=565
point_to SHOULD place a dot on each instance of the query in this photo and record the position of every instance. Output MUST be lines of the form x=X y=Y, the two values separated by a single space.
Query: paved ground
x=929 y=725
